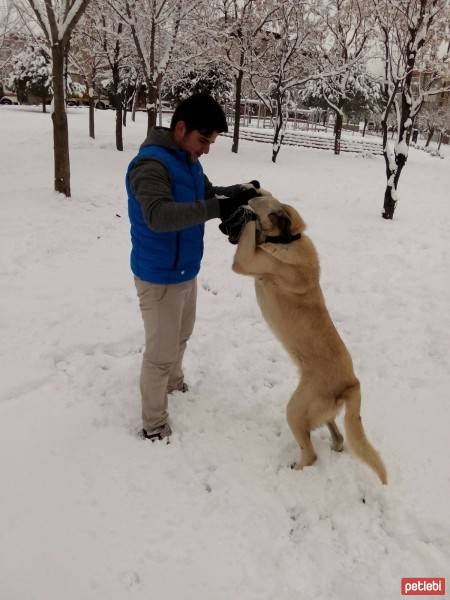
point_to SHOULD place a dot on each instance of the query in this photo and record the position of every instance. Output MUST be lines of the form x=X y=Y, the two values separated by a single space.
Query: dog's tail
x=355 y=434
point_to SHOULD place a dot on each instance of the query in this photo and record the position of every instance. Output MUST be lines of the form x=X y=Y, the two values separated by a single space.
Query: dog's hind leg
x=297 y=417
x=336 y=436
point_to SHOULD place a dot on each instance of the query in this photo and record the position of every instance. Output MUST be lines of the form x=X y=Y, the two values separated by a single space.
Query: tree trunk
x=366 y=120
x=237 y=111
x=389 y=202
x=278 y=136
x=125 y=112
x=390 y=194
x=430 y=136
x=135 y=101
x=60 y=128
x=441 y=135
x=91 y=118
x=338 y=132
x=44 y=106
x=152 y=97
x=401 y=152
x=394 y=165
x=117 y=103
x=119 y=137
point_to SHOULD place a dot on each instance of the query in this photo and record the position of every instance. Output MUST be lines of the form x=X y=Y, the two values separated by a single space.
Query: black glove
x=227 y=206
x=233 y=226
x=255 y=183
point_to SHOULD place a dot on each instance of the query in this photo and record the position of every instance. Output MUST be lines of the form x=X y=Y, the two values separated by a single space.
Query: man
x=169 y=200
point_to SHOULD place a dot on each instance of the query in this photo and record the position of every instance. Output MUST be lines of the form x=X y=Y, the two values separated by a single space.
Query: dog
x=274 y=250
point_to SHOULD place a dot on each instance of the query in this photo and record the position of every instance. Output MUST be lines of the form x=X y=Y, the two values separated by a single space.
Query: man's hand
x=228 y=206
x=233 y=226
x=254 y=183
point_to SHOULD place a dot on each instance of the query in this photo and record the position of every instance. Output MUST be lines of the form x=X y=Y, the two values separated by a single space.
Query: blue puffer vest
x=167 y=257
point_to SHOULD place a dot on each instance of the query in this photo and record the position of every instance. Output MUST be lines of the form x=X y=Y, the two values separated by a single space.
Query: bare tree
x=293 y=56
x=347 y=27
x=111 y=57
x=86 y=56
x=278 y=64
x=31 y=74
x=436 y=119
x=154 y=26
x=9 y=21
x=237 y=29
x=406 y=27
x=113 y=34
x=57 y=21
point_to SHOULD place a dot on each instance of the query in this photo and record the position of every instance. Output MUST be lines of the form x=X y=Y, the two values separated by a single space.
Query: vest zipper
x=177 y=250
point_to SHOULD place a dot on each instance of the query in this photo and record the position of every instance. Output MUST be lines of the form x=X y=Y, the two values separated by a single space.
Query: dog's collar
x=282 y=239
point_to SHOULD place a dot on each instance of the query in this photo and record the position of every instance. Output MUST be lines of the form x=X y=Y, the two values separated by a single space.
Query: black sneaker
x=159 y=433
x=183 y=388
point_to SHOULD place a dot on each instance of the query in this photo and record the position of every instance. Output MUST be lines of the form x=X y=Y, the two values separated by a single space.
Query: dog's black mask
x=281 y=220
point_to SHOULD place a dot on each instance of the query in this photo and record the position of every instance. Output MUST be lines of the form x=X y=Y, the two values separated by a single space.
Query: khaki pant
x=168 y=312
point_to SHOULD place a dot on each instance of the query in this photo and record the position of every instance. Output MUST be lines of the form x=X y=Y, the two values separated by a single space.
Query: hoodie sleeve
x=211 y=191
x=150 y=182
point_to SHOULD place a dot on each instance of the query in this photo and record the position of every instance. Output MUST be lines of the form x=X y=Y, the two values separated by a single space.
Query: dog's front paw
x=304 y=462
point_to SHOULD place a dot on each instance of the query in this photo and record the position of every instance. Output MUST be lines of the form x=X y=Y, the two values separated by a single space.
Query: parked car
x=102 y=104
x=74 y=102
x=9 y=99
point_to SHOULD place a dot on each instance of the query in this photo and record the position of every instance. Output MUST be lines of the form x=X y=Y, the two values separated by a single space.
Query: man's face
x=194 y=143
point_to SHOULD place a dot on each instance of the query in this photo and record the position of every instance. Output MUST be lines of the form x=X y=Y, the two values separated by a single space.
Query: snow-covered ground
x=91 y=512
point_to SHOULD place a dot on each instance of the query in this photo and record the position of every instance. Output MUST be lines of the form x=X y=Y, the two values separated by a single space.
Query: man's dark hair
x=200 y=112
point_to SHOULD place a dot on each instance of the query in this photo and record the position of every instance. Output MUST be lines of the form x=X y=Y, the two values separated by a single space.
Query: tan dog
x=286 y=269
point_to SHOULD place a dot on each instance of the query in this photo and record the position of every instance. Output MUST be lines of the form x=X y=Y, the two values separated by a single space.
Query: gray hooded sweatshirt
x=150 y=182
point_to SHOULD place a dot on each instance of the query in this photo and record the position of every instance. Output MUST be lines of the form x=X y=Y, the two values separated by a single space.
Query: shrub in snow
x=215 y=79
x=31 y=75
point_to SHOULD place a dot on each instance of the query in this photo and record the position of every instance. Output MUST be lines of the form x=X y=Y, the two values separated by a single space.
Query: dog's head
x=275 y=219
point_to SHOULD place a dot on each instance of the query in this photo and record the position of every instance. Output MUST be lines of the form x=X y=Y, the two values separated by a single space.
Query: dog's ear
x=297 y=224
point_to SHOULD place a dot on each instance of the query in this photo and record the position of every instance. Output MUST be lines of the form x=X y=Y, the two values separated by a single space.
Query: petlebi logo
x=423 y=586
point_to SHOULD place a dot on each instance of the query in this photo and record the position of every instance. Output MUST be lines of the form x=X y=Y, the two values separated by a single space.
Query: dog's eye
x=274 y=217
x=279 y=218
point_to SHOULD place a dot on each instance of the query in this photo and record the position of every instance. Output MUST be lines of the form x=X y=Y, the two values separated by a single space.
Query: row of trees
x=284 y=52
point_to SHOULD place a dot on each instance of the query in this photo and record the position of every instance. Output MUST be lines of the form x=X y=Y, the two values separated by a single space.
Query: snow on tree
x=128 y=88
x=353 y=91
x=410 y=32
x=8 y=25
x=288 y=58
x=86 y=56
x=214 y=78
x=121 y=88
x=346 y=30
x=436 y=118
x=114 y=38
x=276 y=64
x=154 y=26
x=236 y=30
x=31 y=75
x=57 y=20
